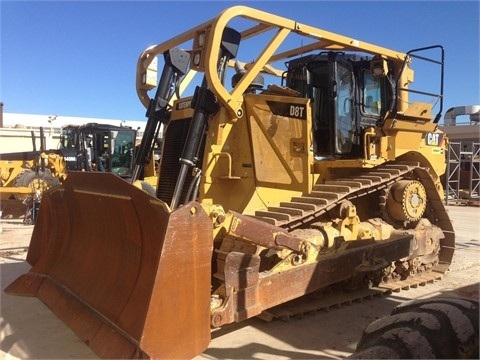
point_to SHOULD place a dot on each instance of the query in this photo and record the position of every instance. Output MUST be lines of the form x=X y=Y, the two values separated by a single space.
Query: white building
x=18 y=130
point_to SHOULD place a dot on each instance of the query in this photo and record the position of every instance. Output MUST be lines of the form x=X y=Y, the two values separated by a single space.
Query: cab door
x=342 y=88
x=333 y=115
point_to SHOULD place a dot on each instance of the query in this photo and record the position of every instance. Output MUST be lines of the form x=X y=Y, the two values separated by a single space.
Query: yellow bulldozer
x=299 y=162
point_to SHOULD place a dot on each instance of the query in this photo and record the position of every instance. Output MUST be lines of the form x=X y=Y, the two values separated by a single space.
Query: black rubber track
x=437 y=328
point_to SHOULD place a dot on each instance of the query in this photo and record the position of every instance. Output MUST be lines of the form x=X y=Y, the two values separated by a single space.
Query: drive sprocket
x=405 y=201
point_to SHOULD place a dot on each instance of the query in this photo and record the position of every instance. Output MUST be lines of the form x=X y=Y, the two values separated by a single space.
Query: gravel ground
x=30 y=331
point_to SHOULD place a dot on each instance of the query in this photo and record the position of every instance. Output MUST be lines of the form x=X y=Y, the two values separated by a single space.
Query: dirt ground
x=30 y=331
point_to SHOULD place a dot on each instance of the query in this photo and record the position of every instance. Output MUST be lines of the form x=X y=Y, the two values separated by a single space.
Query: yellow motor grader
x=88 y=147
x=27 y=175
x=298 y=160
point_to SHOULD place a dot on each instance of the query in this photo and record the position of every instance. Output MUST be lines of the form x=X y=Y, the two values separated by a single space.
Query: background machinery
x=24 y=173
x=98 y=147
x=327 y=178
x=90 y=147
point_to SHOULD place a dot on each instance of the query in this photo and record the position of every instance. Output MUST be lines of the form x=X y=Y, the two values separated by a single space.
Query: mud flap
x=131 y=278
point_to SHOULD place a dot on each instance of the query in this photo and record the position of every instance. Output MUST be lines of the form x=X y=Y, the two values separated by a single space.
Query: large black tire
x=41 y=180
x=437 y=328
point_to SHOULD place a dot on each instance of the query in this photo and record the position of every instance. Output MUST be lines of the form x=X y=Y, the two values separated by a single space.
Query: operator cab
x=98 y=147
x=346 y=99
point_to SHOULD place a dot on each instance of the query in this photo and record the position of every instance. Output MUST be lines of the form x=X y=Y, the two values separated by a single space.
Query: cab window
x=372 y=94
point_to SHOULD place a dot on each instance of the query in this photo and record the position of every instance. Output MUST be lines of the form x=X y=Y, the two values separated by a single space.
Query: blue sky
x=78 y=58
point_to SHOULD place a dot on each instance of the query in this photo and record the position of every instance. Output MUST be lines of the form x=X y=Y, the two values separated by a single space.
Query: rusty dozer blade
x=131 y=278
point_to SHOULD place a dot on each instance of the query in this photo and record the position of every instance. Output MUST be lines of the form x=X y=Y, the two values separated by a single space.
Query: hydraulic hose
x=176 y=65
x=205 y=104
